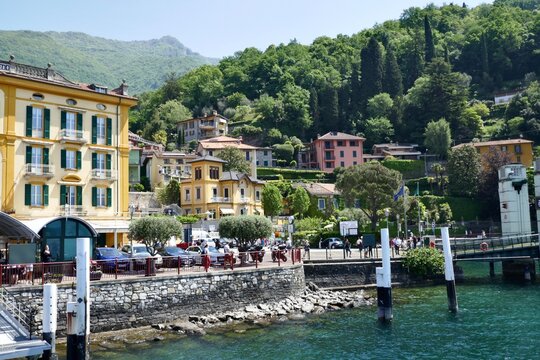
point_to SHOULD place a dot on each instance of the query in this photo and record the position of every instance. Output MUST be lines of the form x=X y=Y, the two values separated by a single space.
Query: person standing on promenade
x=348 y=247
x=360 y=246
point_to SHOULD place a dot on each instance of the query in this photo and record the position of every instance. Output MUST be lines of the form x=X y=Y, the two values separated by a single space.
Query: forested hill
x=387 y=82
x=84 y=58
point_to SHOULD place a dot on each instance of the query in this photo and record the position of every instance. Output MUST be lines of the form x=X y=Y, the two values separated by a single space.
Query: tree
x=372 y=184
x=437 y=137
x=463 y=171
x=170 y=194
x=430 y=47
x=380 y=106
x=154 y=231
x=270 y=111
x=378 y=130
x=284 y=152
x=296 y=109
x=272 y=201
x=300 y=201
x=245 y=228
x=371 y=71
x=491 y=161
x=392 y=80
x=235 y=160
x=329 y=109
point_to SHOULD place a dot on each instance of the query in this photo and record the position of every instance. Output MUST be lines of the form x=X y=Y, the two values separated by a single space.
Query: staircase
x=15 y=338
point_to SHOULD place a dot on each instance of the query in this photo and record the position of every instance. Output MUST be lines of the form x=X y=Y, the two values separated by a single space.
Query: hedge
x=466 y=208
x=408 y=168
x=291 y=174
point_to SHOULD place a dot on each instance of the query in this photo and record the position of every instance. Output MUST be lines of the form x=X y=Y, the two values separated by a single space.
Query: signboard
x=433 y=226
x=290 y=228
x=4 y=67
x=368 y=240
x=348 y=228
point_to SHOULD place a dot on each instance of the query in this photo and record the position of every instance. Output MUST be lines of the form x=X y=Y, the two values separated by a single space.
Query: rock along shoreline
x=312 y=301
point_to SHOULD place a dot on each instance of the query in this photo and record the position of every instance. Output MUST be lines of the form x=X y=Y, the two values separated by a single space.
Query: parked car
x=332 y=243
x=216 y=257
x=140 y=253
x=109 y=258
x=171 y=254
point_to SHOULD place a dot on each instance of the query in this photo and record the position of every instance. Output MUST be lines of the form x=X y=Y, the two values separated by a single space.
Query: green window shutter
x=62 y=120
x=45 y=156
x=94 y=161
x=79 y=160
x=29 y=121
x=45 y=195
x=28 y=154
x=27 y=194
x=47 y=123
x=108 y=161
x=63 y=158
x=109 y=131
x=109 y=197
x=79 y=121
x=94 y=196
x=62 y=194
x=79 y=195
x=94 y=129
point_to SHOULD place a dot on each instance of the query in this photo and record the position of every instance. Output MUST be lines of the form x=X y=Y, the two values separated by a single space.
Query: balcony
x=72 y=136
x=329 y=157
x=102 y=174
x=207 y=125
x=66 y=210
x=244 y=200
x=219 y=199
x=39 y=170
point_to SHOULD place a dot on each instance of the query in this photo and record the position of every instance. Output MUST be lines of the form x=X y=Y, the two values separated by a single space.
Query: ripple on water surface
x=494 y=321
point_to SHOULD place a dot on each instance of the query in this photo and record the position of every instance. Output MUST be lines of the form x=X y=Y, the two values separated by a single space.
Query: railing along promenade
x=65 y=272
x=483 y=246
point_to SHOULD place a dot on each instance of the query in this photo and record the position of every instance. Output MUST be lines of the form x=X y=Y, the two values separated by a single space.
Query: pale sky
x=214 y=28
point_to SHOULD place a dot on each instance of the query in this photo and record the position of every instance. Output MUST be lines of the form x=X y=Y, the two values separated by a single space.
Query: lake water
x=495 y=320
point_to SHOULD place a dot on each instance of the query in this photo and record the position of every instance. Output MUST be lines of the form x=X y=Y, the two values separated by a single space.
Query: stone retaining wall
x=349 y=273
x=120 y=304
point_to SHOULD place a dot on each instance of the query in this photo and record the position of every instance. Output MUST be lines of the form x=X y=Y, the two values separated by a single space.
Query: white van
x=200 y=235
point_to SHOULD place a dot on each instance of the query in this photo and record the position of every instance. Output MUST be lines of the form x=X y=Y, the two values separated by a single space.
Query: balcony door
x=37 y=160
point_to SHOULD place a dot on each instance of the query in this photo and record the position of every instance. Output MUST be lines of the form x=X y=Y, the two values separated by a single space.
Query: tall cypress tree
x=355 y=96
x=329 y=108
x=314 y=110
x=371 y=72
x=344 y=98
x=393 y=81
x=430 y=47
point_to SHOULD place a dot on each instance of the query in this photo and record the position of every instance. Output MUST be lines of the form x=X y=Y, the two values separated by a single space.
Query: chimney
x=50 y=71
x=123 y=89
x=240 y=138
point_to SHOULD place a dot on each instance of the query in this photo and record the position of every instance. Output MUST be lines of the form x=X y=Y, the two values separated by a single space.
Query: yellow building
x=64 y=151
x=520 y=150
x=216 y=193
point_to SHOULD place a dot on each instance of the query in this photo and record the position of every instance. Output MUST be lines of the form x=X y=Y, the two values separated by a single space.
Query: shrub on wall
x=424 y=262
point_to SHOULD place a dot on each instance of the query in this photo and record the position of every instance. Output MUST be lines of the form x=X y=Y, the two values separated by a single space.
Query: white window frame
x=71 y=191
x=71 y=159
x=71 y=122
x=101 y=161
x=36 y=195
x=101 y=130
x=101 y=197
x=321 y=201
x=37 y=122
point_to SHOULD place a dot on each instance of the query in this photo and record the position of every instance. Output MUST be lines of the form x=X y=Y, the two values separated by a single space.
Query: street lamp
x=386 y=213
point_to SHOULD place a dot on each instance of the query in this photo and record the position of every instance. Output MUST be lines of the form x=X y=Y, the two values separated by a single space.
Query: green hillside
x=84 y=58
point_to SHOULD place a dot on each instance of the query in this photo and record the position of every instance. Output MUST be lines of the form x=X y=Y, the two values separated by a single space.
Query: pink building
x=332 y=150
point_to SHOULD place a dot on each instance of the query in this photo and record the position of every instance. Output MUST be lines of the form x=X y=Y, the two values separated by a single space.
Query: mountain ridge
x=92 y=59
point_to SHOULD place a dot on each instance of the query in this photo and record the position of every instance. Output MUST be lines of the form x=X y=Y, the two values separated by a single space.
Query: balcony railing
x=244 y=200
x=39 y=170
x=207 y=124
x=72 y=135
x=219 y=199
x=103 y=174
x=72 y=210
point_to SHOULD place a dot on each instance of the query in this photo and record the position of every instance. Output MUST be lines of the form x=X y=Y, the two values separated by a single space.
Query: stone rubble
x=312 y=301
